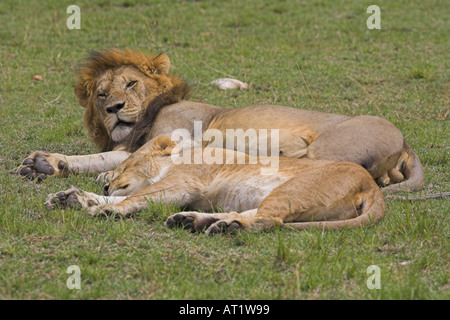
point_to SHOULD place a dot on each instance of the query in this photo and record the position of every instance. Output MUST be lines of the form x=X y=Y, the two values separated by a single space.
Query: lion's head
x=115 y=86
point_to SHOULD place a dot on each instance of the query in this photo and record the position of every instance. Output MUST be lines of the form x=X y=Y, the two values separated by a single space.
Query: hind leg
x=332 y=193
x=211 y=223
x=214 y=223
x=372 y=142
x=276 y=209
x=287 y=203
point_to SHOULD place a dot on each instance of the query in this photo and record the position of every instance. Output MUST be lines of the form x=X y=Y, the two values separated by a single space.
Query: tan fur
x=303 y=193
x=108 y=73
x=372 y=142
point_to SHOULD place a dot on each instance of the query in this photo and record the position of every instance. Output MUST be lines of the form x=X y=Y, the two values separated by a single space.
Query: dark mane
x=180 y=91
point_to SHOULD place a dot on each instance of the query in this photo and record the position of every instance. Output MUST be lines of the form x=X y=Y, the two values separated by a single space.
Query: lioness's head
x=138 y=172
x=115 y=87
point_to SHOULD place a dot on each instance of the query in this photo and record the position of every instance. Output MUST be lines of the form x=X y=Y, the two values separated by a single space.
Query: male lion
x=130 y=99
x=302 y=194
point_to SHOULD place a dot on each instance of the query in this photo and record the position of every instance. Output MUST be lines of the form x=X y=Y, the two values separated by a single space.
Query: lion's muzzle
x=115 y=107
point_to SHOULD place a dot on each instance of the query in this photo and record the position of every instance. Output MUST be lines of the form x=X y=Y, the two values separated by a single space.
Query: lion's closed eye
x=124 y=186
x=131 y=84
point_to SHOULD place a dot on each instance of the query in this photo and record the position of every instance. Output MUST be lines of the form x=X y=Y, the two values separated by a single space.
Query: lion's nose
x=115 y=108
x=105 y=190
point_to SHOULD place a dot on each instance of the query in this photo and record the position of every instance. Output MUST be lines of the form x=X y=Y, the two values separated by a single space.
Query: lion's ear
x=161 y=64
x=82 y=93
x=162 y=146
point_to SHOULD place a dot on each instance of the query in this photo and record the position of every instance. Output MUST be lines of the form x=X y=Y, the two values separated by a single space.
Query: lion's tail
x=412 y=170
x=372 y=209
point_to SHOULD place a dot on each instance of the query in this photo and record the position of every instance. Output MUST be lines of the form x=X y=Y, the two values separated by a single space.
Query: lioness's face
x=137 y=175
x=146 y=166
x=120 y=97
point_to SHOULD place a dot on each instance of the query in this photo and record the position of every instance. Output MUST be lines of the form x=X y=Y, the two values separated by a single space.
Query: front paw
x=40 y=165
x=64 y=199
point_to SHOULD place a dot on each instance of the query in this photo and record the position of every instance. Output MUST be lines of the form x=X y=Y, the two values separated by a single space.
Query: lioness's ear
x=82 y=93
x=161 y=64
x=162 y=146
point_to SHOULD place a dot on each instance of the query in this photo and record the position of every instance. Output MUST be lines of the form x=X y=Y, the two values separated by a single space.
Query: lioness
x=130 y=99
x=302 y=194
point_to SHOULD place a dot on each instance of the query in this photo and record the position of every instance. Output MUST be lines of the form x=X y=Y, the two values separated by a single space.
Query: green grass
x=317 y=55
